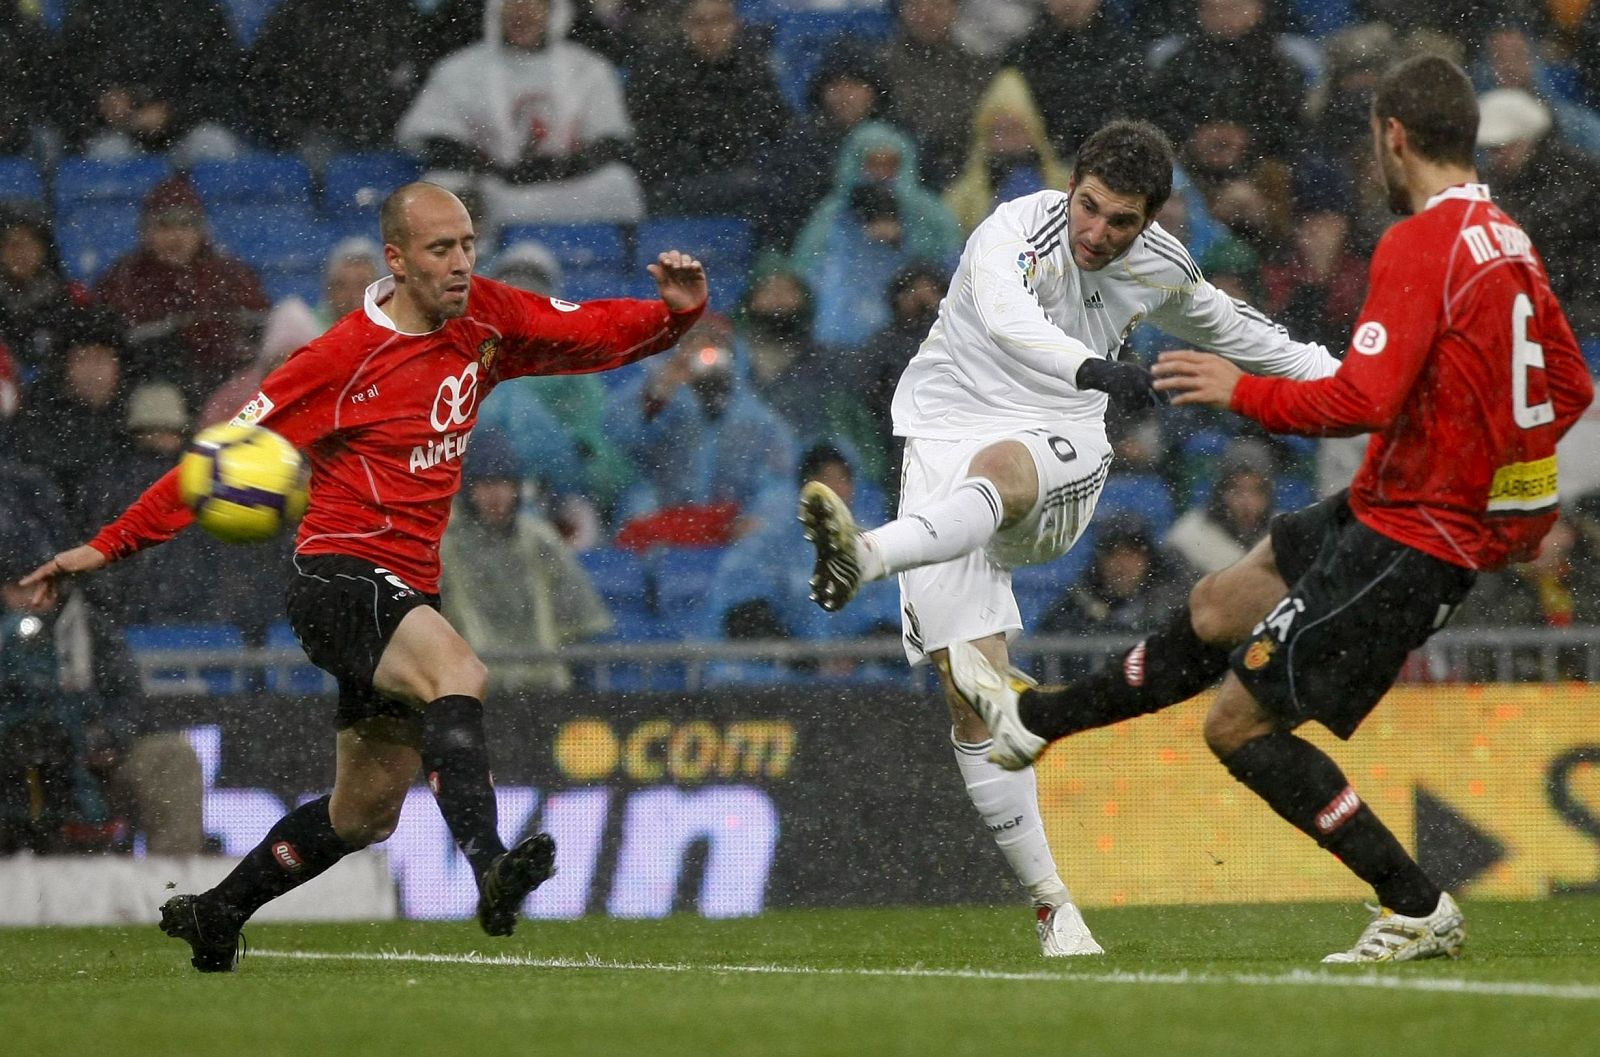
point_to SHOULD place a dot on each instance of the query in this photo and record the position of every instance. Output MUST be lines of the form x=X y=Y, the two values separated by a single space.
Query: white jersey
x=1020 y=317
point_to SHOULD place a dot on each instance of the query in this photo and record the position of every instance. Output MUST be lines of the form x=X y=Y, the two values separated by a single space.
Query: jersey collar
x=377 y=294
x=1470 y=192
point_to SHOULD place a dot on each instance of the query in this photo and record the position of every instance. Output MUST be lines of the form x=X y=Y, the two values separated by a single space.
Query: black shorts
x=1358 y=604
x=344 y=610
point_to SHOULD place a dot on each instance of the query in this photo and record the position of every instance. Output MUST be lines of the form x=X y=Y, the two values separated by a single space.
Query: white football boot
x=1062 y=933
x=1392 y=937
x=833 y=532
x=994 y=697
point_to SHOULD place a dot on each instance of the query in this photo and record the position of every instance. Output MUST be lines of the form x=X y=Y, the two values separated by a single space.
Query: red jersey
x=1466 y=372
x=384 y=417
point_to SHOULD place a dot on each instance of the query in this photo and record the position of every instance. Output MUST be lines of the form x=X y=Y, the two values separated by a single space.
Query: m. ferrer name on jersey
x=450 y=446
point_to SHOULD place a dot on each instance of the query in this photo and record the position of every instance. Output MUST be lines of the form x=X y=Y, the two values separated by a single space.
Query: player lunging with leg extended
x=1464 y=368
x=1003 y=411
x=383 y=405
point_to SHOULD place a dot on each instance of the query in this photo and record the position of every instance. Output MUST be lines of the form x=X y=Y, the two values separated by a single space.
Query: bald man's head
x=430 y=248
x=394 y=217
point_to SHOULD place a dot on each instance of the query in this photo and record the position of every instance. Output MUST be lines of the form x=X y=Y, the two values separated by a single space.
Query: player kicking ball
x=383 y=405
x=1466 y=371
x=1003 y=411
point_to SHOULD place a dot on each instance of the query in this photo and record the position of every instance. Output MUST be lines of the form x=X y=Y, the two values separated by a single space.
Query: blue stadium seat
x=304 y=678
x=1205 y=444
x=577 y=247
x=683 y=580
x=1294 y=493
x=617 y=575
x=1144 y=494
x=277 y=235
x=92 y=180
x=20 y=181
x=592 y=285
x=1036 y=586
x=93 y=234
x=283 y=282
x=248 y=16
x=725 y=245
x=720 y=242
x=264 y=178
x=800 y=38
x=197 y=676
x=1289 y=492
x=1591 y=353
x=355 y=185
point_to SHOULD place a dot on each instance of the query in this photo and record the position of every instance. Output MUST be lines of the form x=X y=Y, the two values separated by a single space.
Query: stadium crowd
x=172 y=228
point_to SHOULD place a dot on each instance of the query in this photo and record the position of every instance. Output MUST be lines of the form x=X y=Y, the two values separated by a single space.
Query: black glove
x=1129 y=385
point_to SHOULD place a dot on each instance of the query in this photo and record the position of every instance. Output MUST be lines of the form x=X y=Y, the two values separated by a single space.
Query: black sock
x=455 y=757
x=299 y=846
x=1302 y=784
x=1165 y=669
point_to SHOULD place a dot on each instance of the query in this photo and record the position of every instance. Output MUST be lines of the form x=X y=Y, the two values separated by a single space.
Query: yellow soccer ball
x=245 y=484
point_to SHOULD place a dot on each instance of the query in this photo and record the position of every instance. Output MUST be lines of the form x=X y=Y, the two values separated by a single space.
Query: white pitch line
x=1294 y=978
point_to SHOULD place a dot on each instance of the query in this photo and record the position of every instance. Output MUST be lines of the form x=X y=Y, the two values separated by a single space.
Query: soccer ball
x=244 y=483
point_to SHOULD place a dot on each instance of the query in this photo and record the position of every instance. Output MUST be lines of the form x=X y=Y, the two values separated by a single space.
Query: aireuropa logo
x=455 y=400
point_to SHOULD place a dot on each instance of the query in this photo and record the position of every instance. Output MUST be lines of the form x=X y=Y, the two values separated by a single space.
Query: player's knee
x=473 y=675
x=367 y=819
x=1228 y=728
x=1208 y=613
x=459 y=673
x=1008 y=467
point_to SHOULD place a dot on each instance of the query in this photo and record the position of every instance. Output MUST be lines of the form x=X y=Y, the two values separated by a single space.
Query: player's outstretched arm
x=681 y=279
x=1191 y=377
x=44 y=579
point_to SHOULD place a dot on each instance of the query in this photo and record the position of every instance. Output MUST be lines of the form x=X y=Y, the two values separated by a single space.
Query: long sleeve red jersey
x=384 y=416
x=1465 y=370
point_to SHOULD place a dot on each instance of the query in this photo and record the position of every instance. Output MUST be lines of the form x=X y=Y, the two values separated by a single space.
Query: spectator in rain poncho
x=556 y=423
x=533 y=595
x=536 y=121
x=1011 y=153
x=877 y=219
x=696 y=432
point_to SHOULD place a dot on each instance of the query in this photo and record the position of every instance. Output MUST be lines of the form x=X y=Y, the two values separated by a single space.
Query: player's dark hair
x=820 y=455
x=1433 y=99
x=1131 y=158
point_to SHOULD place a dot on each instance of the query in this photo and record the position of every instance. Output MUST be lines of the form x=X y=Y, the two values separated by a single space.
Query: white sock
x=1008 y=803
x=958 y=524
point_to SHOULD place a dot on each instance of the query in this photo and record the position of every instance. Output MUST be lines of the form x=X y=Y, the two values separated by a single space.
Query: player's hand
x=1128 y=384
x=45 y=578
x=1190 y=377
x=682 y=280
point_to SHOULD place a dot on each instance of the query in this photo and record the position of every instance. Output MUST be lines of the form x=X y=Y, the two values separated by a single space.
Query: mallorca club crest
x=486 y=354
x=1028 y=265
x=1259 y=654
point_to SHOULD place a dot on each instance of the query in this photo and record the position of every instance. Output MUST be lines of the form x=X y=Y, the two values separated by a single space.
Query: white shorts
x=970 y=597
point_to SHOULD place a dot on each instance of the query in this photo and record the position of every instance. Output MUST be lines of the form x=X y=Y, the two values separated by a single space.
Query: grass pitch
x=1181 y=981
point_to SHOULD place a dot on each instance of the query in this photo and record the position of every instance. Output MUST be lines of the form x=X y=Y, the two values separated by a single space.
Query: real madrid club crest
x=1028 y=265
x=486 y=354
x=1259 y=654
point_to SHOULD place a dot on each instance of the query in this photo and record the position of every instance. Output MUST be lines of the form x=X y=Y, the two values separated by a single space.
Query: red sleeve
x=546 y=336
x=1566 y=373
x=155 y=517
x=1387 y=351
x=298 y=400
